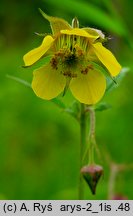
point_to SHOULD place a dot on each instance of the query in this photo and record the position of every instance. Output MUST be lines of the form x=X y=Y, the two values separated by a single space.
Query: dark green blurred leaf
x=92 y=13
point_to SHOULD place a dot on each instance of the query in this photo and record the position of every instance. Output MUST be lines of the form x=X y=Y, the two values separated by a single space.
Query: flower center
x=71 y=55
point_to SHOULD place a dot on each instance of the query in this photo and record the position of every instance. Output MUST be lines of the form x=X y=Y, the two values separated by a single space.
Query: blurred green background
x=39 y=144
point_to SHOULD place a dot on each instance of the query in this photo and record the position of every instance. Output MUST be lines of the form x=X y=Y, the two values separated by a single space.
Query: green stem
x=82 y=148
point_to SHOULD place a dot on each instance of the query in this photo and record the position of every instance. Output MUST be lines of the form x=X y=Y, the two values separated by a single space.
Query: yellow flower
x=73 y=51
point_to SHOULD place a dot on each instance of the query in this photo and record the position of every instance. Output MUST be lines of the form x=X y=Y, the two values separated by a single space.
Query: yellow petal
x=107 y=58
x=79 y=32
x=88 y=88
x=48 y=82
x=56 y=24
x=34 y=55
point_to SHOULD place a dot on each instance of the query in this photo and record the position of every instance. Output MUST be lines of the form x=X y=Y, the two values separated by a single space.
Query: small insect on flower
x=73 y=52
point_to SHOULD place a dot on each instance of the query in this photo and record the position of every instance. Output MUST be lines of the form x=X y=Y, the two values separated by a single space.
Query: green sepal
x=17 y=79
x=102 y=106
x=68 y=79
x=110 y=83
x=56 y=24
x=59 y=103
x=56 y=101
x=74 y=110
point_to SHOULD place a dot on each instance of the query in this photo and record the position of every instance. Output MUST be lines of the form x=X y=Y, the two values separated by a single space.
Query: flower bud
x=75 y=23
x=92 y=174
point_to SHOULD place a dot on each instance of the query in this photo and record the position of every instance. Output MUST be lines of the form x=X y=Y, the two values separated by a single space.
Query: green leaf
x=111 y=85
x=102 y=106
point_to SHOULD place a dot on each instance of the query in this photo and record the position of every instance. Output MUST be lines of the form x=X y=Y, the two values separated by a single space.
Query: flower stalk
x=90 y=172
x=86 y=146
x=83 y=124
x=91 y=140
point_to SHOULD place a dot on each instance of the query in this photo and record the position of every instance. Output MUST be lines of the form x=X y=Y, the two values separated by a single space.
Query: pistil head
x=71 y=59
